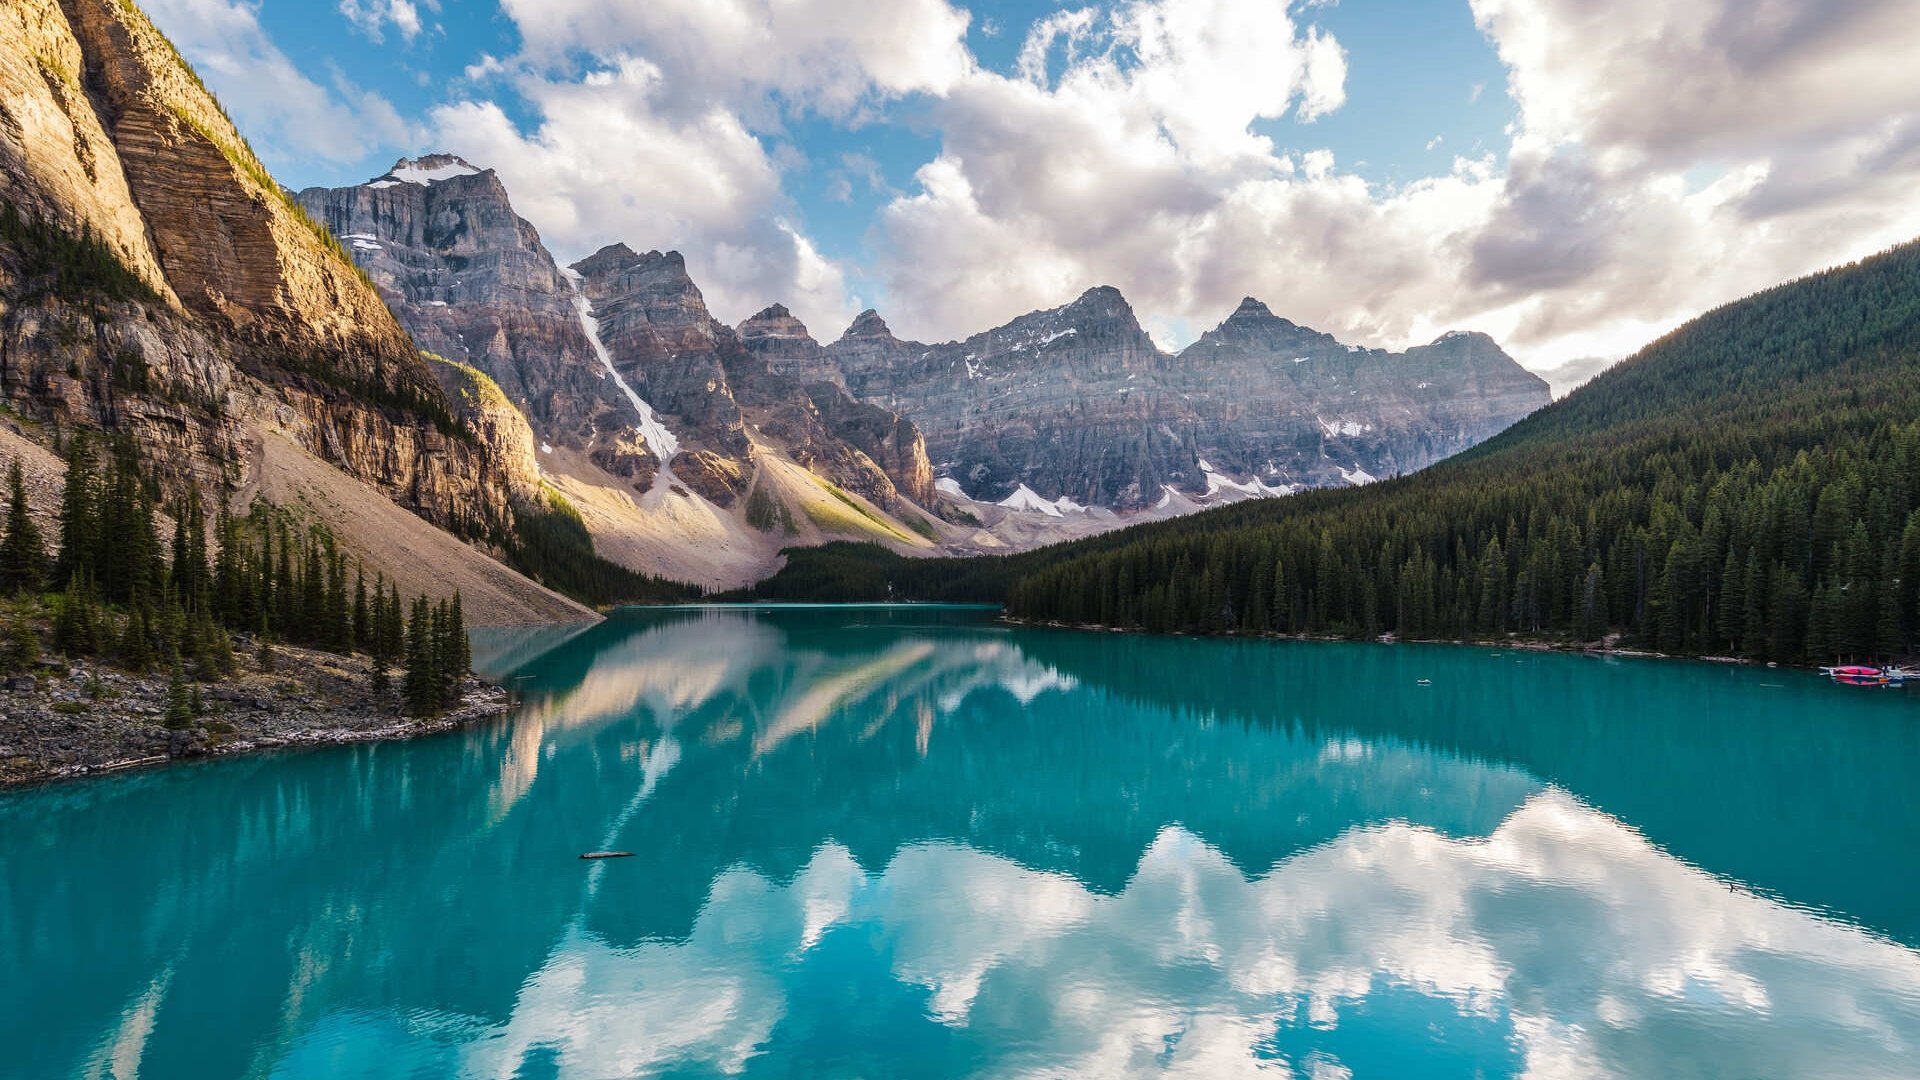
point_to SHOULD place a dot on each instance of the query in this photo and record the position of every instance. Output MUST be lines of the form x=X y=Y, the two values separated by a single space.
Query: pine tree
x=191 y=574
x=79 y=513
x=381 y=657
x=76 y=620
x=179 y=703
x=462 y=660
x=23 y=557
x=311 y=626
x=362 y=614
x=421 y=689
x=19 y=646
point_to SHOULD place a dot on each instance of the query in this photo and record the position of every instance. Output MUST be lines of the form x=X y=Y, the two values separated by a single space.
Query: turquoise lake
x=912 y=841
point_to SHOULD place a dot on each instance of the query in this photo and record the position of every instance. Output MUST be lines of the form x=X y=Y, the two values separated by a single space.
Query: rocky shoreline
x=85 y=719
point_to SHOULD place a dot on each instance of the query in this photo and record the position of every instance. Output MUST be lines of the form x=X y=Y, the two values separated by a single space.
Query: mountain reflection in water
x=911 y=841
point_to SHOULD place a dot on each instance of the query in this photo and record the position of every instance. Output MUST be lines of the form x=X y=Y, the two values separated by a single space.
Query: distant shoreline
x=1569 y=648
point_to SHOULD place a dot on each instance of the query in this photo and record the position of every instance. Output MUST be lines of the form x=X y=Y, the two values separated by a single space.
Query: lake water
x=888 y=842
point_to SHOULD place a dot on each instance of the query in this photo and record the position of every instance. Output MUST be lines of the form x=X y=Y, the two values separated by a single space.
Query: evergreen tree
x=179 y=702
x=362 y=614
x=23 y=557
x=79 y=512
x=76 y=620
x=421 y=689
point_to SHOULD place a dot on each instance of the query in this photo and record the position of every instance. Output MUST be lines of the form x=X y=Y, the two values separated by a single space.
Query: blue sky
x=1424 y=85
x=1574 y=179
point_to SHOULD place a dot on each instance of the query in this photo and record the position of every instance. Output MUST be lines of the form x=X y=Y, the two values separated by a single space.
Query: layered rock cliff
x=473 y=282
x=157 y=282
x=686 y=445
x=1078 y=403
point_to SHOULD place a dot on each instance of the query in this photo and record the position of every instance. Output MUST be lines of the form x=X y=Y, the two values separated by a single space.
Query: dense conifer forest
x=1747 y=485
x=120 y=595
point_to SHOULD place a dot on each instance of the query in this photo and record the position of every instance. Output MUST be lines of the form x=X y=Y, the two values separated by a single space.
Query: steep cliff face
x=168 y=289
x=56 y=160
x=471 y=280
x=655 y=419
x=667 y=349
x=1286 y=403
x=1078 y=403
x=796 y=394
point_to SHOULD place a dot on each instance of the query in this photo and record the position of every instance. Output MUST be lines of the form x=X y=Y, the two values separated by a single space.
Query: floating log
x=607 y=855
x=131 y=763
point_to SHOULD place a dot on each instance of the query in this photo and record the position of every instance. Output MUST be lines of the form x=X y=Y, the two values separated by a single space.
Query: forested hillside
x=1747 y=484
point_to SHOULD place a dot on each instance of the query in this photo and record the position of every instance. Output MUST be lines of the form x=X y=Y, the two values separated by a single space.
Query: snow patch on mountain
x=411 y=171
x=1025 y=498
x=1335 y=428
x=658 y=438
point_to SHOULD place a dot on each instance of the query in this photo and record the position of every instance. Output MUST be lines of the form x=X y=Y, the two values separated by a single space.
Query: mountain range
x=1061 y=423
x=1746 y=486
x=404 y=364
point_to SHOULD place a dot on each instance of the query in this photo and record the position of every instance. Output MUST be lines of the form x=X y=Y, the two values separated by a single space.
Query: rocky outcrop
x=56 y=160
x=665 y=345
x=782 y=342
x=638 y=398
x=484 y=409
x=472 y=282
x=792 y=388
x=1078 y=402
x=255 y=321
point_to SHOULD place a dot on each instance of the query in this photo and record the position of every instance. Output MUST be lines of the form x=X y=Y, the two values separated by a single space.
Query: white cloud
x=605 y=164
x=287 y=116
x=825 y=55
x=372 y=17
x=1667 y=158
x=672 y=136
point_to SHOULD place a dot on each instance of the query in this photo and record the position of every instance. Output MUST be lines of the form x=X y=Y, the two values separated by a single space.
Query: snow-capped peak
x=430 y=169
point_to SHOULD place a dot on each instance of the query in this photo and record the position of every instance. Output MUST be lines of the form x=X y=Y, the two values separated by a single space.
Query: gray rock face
x=1077 y=401
x=473 y=282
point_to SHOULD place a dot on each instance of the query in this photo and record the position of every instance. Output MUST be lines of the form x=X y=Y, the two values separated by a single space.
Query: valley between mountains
x=696 y=451
x=404 y=366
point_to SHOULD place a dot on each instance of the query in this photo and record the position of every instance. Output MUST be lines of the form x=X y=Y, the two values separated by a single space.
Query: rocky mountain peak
x=655 y=268
x=425 y=170
x=1251 y=309
x=1463 y=339
x=868 y=324
x=774 y=322
x=1102 y=302
x=1254 y=327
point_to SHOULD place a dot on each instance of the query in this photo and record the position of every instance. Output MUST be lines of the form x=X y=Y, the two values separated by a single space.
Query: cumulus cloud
x=823 y=55
x=372 y=17
x=285 y=114
x=1045 y=185
x=606 y=164
x=662 y=125
x=1667 y=158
